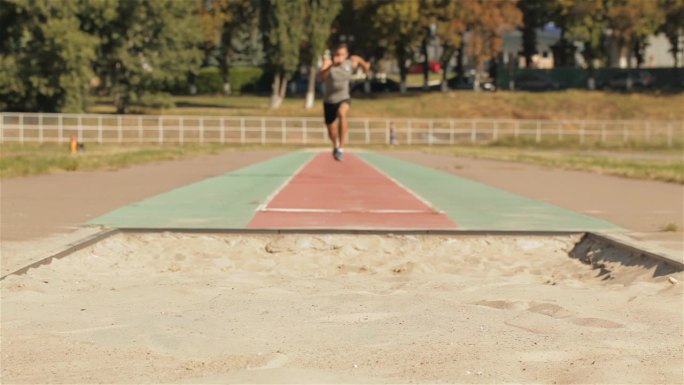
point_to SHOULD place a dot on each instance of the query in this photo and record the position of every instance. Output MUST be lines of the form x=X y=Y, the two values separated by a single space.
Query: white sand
x=338 y=308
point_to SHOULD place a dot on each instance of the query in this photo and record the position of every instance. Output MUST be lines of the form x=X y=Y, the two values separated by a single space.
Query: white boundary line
x=425 y=202
x=337 y=211
x=263 y=206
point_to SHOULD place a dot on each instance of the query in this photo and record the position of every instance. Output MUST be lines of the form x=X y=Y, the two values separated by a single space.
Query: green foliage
x=632 y=21
x=242 y=78
x=585 y=21
x=283 y=30
x=535 y=13
x=282 y=25
x=209 y=81
x=143 y=44
x=157 y=100
x=321 y=15
x=673 y=26
x=44 y=57
x=401 y=25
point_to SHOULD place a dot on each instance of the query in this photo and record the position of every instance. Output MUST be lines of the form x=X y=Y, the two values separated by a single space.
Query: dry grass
x=571 y=104
x=668 y=167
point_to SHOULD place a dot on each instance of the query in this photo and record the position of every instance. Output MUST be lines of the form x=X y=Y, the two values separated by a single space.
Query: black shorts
x=330 y=110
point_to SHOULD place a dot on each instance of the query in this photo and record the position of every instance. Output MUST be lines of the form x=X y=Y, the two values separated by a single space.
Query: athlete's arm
x=359 y=61
x=325 y=69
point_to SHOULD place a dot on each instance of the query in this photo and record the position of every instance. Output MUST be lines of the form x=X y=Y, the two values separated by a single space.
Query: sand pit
x=141 y=308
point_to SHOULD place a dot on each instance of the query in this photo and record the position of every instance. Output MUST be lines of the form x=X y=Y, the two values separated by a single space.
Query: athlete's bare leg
x=343 y=122
x=332 y=132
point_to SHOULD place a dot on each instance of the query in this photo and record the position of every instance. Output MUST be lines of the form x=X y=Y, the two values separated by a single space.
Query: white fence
x=172 y=129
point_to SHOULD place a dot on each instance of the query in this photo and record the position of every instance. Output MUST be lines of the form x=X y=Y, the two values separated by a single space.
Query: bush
x=244 y=78
x=209 y=81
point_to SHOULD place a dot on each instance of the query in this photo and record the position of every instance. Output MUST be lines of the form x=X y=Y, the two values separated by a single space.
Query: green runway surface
x=226 y=201
x=477 y=206
x=229 y=201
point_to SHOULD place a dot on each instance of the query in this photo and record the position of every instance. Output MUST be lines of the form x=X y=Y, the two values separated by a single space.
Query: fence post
x=451 y=132
x=140 y=130
x=603 y=132
x=21 y=129
x=242 y=129
x=387 y=132
x=283 y=126
x=430 y=129
x=495 y=132
x=538 y=138
x=263 y=131
x=669 y=134
x=305 y=124
x=408 y=140
x=367 y=132
x=60 y=128
x=181 y=137
x=40 y=128
x=160 y=124
x=80 y=128
x=223 y=129
x=99 y=129
x=473 y=131
x=119 y=129
x=201 y=133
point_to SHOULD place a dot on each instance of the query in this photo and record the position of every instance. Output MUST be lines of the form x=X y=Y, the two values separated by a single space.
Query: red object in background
x=418 y=67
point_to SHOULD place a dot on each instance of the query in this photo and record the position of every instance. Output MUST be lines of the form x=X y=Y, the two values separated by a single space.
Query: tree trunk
x=476 y=81
x=311 y=88
x=283 y=87
x=529 y=43
x=445 y=82
x=276 y=100
x=401 y=61
x=426 y=65
x=628 y=82
x=459 y=59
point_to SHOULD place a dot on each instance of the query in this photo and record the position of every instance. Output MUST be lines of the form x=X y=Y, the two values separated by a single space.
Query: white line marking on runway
x=268 y=200
x=425 y=202
x=338 y=211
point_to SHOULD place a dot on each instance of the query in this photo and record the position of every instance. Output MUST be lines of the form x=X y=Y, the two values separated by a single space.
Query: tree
x=450 y=27
x=230 y=30
x=321 y=15
x=282 y=24
x=631 y=22
x=673 y=26
x=487 y=21
x=585 y=21
x=400 y=23
x=143 y=44
x=535 y=14
x=44 y=56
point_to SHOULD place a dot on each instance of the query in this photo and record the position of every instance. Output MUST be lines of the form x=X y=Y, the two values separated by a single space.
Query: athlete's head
x=341 y=53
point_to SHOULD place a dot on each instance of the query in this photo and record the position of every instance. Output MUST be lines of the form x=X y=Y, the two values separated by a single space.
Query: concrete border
x=600 y=237
x=85 y=242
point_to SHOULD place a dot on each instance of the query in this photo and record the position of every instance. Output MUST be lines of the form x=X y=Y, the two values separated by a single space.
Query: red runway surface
x=351 y=193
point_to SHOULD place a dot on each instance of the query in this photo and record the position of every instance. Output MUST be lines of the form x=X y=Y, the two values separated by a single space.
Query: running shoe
x=338 y=154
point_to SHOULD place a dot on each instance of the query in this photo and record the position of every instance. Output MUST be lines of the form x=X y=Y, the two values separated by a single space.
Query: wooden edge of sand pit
x=617 y=241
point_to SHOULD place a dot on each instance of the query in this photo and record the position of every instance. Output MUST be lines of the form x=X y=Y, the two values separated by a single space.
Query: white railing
x=174 y=129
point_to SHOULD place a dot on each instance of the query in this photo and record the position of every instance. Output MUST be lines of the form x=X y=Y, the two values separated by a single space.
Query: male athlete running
x=336 y=74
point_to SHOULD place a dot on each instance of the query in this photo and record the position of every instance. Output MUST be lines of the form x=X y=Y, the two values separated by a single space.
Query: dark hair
x=342 y=45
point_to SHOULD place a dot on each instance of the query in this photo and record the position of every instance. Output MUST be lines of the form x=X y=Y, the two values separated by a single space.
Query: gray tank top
x=337 y=82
